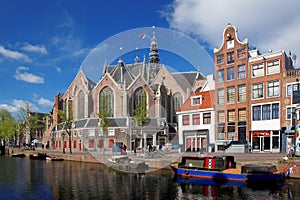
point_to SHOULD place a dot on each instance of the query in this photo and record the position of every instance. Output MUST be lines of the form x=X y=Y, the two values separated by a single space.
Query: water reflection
x=33 y=179
x=209 y=189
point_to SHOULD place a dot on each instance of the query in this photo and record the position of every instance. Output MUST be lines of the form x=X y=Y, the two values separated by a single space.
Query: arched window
x=106 y=101
x=163 y=104
x=140 y=103
x=176 y=103
x=81 y=105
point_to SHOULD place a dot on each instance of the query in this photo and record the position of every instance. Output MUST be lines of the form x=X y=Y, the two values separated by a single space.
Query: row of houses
x=246 y=104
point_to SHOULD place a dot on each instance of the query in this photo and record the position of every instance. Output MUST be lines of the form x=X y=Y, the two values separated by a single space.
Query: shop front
x=265 y=141
x=196 y=141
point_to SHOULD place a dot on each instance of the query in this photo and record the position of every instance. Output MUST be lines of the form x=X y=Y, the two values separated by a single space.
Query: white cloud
x=45 y=102
x=14 y=55
x=23 y=75
x=22 y=103
x=16 y=105
x=267 y=24
x=35 y=48
x=58 y=69
x=9 y=108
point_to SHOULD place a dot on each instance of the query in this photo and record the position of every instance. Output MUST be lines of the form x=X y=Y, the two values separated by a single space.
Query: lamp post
x=63 y=142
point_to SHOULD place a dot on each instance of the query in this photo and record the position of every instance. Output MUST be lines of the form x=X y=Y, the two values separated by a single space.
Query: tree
x=104 y=113
x=28 y=121
x=67 y=120
x=7 y=125
x=140 y=113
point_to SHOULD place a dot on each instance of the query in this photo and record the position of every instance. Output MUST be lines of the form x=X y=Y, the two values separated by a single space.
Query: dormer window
x=196 y=101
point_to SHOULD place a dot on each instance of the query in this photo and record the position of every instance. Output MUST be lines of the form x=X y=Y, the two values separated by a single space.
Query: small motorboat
x=19 y=155
x=125 y=164
x=54 y=158
x=39 y=156
x=223 y=168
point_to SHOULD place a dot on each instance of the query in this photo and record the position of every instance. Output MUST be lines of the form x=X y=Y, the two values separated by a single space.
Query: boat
x=20 y=155
x=53 y=158
x=39 y=156
x=125 y=164
x=223 y=168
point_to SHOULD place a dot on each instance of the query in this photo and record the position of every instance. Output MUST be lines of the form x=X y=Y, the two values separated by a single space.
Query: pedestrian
x=124 y=147
x=150 y=148
x=160 y=147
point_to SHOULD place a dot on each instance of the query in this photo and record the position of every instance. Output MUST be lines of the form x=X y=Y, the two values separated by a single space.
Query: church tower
x=153 y=67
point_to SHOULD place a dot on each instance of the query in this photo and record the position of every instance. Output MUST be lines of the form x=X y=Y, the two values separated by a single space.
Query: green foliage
x=104 y=113
x=7 y=124
x=67 y=120
x=28 y=121
x=140 y=113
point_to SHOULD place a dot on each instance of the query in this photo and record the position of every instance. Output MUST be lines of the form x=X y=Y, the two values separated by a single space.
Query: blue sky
x=44 y=43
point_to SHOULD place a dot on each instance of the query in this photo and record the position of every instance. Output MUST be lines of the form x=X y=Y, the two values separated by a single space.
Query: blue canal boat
x=223 y=168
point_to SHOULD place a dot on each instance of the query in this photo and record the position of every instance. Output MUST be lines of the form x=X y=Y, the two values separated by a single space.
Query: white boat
x=125 y=164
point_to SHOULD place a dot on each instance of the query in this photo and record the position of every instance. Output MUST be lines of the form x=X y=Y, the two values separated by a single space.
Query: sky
x=43 y=44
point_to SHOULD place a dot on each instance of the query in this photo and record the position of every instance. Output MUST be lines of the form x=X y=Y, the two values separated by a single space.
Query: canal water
x=21 y=178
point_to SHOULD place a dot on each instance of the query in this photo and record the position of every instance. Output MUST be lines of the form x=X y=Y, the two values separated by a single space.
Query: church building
x=119 y=93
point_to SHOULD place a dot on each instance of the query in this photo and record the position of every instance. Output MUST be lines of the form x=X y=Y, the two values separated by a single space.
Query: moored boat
x=125 y=164
x=20 y=155
x=39 y=156
x=223 y=168
x=54 y=158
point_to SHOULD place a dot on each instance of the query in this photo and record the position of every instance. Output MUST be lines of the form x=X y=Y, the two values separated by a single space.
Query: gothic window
x=176 y=104
x=80 y=105
x=139 y=99
x=163 y=104
x=106 y=100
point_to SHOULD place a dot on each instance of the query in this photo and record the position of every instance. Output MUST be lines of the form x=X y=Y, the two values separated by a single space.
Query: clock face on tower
x=152 y=74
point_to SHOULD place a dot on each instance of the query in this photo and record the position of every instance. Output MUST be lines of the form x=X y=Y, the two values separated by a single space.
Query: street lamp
x=63 y=142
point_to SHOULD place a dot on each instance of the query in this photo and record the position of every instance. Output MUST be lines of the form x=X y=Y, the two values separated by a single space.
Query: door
x=261 y=139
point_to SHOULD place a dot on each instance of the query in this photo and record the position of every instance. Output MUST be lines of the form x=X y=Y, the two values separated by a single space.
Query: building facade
x=251 y=103
x=119 y=91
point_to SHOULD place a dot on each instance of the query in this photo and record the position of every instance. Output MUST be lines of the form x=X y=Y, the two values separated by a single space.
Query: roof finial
x=121 y=53
x=153 y=27
x=137 y=59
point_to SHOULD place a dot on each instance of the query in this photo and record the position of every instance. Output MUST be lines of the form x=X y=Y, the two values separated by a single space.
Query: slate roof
x=187 y=79
x=92 y=122
x=118 y=122
x=80 y=123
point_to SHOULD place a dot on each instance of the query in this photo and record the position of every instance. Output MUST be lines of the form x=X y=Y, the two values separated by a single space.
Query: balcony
x=292 y=73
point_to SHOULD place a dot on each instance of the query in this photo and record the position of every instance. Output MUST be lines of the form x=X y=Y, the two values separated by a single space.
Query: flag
x=143 y=36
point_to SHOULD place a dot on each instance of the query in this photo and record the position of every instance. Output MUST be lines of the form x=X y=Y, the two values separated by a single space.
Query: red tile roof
x=208 y=98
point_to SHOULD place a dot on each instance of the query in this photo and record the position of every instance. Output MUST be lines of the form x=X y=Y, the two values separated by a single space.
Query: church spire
x=153 y=55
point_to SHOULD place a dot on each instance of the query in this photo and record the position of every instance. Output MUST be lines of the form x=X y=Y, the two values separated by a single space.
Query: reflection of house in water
x=122 y=86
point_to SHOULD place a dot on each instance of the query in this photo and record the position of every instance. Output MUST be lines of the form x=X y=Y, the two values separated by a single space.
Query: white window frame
x=275 y=85
x=262 y=92
x=258 y=70
x=273 y=67
x=111 y=132
x=242 y=93
x=195 y=100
